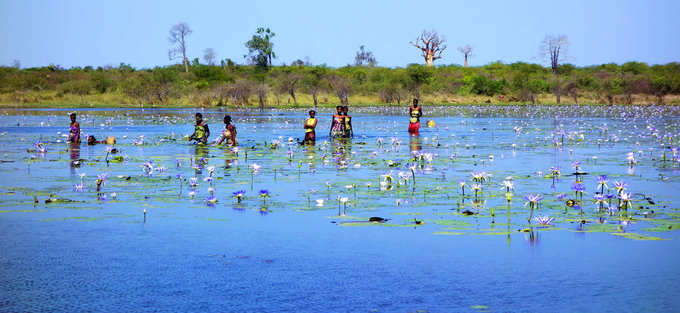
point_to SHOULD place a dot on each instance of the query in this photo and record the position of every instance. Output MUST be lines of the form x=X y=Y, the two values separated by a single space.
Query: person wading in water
x=310 y=125
x=201 y=130
x=337 y=124
x=414 y=112
x=229 y=133
x=74 y=130
x=349 y=132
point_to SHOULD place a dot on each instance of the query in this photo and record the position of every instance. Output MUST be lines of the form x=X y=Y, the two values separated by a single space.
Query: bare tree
x=342 y=88
x=209 y=56
x=467 y=52
x=16 y=64
x=552 y=48
x=364 y=57
x=178 y=34
x=431 y=46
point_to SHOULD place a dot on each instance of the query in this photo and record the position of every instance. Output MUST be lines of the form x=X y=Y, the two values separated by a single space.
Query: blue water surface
x=90 y=251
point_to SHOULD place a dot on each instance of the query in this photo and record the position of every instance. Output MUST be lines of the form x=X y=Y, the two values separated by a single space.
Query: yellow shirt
x=310 y=122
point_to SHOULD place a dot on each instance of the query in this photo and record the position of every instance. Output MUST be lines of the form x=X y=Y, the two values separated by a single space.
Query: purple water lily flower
x=543 y=220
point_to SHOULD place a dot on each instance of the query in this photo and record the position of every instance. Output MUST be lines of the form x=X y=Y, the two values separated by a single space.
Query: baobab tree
x=178 y=35
x=467 y=52
x=209 y=56
x=431 y=46
x=552 y=48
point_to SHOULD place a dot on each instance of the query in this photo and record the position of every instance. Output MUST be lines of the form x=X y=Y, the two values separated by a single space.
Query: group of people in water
x=341 y=127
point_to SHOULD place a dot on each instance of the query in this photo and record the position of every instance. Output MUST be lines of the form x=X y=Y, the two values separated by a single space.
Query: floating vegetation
x=476 y=172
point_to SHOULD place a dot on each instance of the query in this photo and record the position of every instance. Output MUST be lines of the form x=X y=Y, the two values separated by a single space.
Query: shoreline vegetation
x=301 y=85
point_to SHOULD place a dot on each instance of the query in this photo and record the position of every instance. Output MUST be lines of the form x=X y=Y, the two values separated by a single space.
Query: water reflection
x=74 y=151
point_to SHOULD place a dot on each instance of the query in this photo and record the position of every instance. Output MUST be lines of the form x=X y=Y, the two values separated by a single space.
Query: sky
x=98 y=33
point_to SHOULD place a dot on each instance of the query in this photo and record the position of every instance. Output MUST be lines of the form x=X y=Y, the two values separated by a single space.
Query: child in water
x=201 y=130
x=74 y=130
x=337 y=123
x=310 y=125
x=91 y=140
x=349 y=132
x=229 y=133
x=414 y=113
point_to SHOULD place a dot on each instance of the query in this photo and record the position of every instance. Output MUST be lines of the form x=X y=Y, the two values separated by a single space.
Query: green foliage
x=234 y=83
x=261 y=48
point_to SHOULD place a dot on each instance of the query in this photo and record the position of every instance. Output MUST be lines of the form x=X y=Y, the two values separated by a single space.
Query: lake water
x=302 y=249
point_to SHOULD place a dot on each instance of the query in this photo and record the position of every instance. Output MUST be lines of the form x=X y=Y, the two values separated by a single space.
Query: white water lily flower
x=319 y=202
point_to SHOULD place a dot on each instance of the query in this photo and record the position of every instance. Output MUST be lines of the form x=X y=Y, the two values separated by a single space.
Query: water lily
x=211 y=199
x=543 y=220
x=602 y=182
x=264 y=193
x=626 y=198
x=78 y=187
x=319 y=202
x=239 y=195
x=533 y=201
x=620 y=186
x=554 y=171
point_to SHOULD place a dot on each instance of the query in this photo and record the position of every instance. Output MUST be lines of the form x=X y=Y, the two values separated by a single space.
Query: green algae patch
x=23 y=211
x=662 y=226
x=636 y=236
x=215 y=219
x=453 y=223
x=77 y=218
x=448 y=233
x=598 y=228
x=408 y=213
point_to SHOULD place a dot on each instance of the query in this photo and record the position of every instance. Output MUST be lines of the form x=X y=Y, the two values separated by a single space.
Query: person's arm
x=351 y=129
x=233 y=134
x=207 y=133
x=420 y=112
x=331 y=128
x=219 y=142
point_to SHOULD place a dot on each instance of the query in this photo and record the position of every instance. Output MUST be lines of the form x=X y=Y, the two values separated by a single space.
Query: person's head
x=339 y=109
x=73 y=116
x=345 y=109
x=199 y=117
x=227 y=119
x=415 y=102
x=312 y=113
x=91 y=140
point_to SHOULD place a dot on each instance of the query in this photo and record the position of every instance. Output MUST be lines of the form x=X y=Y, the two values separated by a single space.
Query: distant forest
x=244 y=85
x=259 y=83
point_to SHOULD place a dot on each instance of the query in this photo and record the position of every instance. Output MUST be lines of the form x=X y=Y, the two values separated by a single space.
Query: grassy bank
x=54 y=99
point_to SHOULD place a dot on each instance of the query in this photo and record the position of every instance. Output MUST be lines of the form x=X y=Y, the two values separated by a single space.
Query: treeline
x=248 y=85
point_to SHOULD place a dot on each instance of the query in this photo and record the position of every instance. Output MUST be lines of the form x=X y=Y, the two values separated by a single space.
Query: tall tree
x=209 y=56
x=467 y=52
x=552 y=49
x=431 y=46
x=364 y=57
x=178 y=35
x=261 y=47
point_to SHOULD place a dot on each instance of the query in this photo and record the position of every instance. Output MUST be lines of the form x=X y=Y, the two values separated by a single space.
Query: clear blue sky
x=93 y=32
